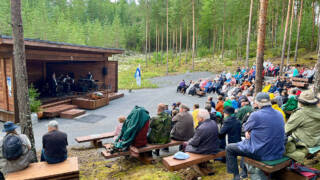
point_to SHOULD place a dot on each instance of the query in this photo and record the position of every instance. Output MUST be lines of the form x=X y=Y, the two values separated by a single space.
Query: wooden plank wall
x=113 y=75
x=6 y=101
x=3 y=89
x=35 y=71
x=10 y=74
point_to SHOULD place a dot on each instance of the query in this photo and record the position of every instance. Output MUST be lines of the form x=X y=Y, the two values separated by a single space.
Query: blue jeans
x=51 y=160
x=232 y=152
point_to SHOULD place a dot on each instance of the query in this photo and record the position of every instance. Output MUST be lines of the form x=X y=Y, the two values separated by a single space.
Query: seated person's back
x=160 y=127
x=304 y=124
x=231 y=127
x=205 y=139
x=16 y=149
x=54 y=144
x=183 y=128
x=266 y=128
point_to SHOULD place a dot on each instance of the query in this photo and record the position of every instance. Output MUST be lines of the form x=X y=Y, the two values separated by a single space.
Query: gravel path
x=148 y=98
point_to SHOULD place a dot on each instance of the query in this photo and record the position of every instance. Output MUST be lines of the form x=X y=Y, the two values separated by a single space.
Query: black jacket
x=232 y=127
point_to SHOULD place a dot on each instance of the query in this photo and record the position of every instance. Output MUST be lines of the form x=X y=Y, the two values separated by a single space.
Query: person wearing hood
x=303 y=127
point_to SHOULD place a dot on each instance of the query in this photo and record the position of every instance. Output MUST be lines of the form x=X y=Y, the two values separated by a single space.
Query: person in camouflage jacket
x=160 y=127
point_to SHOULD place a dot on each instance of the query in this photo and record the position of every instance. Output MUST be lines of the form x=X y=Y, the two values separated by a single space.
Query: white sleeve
x=25 y=140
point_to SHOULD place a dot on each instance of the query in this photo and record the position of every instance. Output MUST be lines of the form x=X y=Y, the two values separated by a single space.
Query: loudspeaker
x=104 y=71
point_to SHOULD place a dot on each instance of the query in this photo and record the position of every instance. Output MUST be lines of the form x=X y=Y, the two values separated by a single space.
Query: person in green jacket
x=303 y=127
x=244 y=110
x=160 y=127
x=228 y=103
x=291 y=105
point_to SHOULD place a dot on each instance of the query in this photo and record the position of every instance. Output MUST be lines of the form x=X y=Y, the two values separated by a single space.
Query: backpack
x=12 y=147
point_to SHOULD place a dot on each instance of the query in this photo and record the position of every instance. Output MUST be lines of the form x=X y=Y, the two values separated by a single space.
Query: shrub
x=34 y=101
x=203 y=51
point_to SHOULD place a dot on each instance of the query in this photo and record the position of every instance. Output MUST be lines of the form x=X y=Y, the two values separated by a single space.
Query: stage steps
x=56 y=103
x=113 y=96
x=72 y=113
x=55 y=111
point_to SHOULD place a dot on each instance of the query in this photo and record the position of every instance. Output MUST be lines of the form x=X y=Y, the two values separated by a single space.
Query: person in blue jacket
x=265 y=136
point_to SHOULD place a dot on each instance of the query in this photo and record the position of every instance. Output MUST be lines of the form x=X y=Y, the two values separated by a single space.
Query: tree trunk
x=157 y=44
x=313 y=24
x=180 y=43
x=223 y=24
x=146 y=49
x=167 y=68
x=318 y=42
x=298 y=31
x=21 y=95
x=316 y=87
x=176 y=43
x=248 y=36
x=283 y=14
x=290 y=33
x=213 y=43
x=260 y=43
x=193 y=35
x=187 y=43
x=276 y=26
x=285 y=37
x=149 y=41
x=161 y=44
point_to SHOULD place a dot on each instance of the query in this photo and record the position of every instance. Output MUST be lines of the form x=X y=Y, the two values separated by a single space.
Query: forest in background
x=220 y=25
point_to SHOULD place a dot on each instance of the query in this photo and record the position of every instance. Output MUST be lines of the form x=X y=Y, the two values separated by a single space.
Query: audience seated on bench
x=68 y=169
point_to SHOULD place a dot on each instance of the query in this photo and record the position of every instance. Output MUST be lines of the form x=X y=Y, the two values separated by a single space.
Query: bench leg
x=200 y=170
x=96 y=143
x=146 y=158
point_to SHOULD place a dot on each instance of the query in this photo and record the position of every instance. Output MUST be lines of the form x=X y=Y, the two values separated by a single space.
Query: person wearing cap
x=205 y=139
x=54 y=144
x=303 y=127
x=183 y=128
x=231 y=127
x=265 y=137
x=25 y=159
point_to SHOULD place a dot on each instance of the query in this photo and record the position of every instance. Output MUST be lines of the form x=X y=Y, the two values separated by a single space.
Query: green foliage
x=34 y=101
x=227 y=63
x=203 y=51
x=122 y=24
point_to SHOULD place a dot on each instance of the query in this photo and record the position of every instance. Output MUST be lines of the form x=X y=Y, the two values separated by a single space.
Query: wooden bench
x=194 y=160
x=68 y=169
x=300 y=79
x=143 y=153
x=95 y=139
x=300 y=84
x=268 y=168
